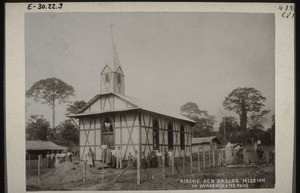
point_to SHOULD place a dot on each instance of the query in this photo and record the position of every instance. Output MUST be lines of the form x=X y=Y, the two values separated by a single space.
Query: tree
x=38 y=128
x=204 y=122
x=242 y=101
x=271 y=131
x=258 y=119
x=67 y=134
x=50 y=91
x=192 y=111
x=228 y=126
x=73 y=108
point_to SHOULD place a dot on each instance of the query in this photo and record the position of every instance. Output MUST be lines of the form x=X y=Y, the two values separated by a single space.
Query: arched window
x=155 y=135
x=107 y=126
x=182 y=137
x=107 y=137
x=170 y=135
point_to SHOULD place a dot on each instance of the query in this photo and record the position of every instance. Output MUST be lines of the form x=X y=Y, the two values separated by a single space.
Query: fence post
x=191 y=161
x=84 y=170
x=138 y=168
x=163 y=164
x=29 y=161
x=57 y=166
x=209 y=161
x=173 y=161
x=267 y=158
x=199 y=160
x=203 y=153
x=213 y=154
x=39 y=168
x=183 y=161
x=103 y=167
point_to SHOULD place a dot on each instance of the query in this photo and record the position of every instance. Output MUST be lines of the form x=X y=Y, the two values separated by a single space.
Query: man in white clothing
x=119 y=157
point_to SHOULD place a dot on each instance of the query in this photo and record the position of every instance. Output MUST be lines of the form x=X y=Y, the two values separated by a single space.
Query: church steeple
x=112 y=77
x=116 y=61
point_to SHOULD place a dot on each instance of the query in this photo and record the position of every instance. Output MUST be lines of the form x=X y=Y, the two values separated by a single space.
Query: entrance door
x=108 y=137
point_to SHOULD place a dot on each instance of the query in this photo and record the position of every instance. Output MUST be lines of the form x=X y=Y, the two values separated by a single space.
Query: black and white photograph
x=160 y=100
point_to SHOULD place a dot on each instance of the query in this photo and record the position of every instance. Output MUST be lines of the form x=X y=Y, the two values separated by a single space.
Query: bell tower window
x=106 y=78
x=119 y=79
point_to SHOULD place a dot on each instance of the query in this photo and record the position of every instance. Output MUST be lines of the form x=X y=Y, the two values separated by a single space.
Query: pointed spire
x=116 y=61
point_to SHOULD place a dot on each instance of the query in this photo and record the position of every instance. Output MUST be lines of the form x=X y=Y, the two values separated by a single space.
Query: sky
x=167 y=58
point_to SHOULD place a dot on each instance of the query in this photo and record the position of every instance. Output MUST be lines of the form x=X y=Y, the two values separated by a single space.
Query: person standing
x=130 y=160
x=48 y=158
x=165 y=154
x=159 y=158
x=143 y=160
x=103 y=148
x=57 y=160
x=240 y=155
x=90 y=158
x=69 y=154
x=170 y=156
x=52 y=158
x=108 y=156
x=148 y=160
x=113 y=157
x=259 y=151
x=119 y=157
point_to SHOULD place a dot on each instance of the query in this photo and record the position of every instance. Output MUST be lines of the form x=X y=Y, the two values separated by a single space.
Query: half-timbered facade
x=114 y=119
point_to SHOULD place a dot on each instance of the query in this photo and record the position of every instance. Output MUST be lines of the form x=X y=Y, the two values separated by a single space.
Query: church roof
x=139 y=104
x=42 y=145
x=207 y=140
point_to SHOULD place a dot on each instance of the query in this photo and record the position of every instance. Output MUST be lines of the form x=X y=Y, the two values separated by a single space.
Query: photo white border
x=15 y=81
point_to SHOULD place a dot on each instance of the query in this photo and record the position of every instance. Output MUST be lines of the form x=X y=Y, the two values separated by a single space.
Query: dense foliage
x=50 y=91
x=204 y=122
x=38 y=128
x=242 y=101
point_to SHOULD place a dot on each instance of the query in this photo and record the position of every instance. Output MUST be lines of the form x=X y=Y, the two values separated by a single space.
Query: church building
x=115 y=119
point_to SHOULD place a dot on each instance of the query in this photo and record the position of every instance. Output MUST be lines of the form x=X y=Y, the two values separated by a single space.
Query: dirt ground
x=70 y=177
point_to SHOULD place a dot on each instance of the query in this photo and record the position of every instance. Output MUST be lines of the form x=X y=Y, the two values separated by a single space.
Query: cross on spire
x=111 y=30
x=116 y=61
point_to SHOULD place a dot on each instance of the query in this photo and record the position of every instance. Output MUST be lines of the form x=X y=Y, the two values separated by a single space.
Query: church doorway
x=108 y=137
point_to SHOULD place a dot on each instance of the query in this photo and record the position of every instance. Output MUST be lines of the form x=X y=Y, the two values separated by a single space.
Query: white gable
x=108 y=102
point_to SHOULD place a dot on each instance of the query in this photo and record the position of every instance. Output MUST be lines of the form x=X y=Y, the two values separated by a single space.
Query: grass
x=172 y=182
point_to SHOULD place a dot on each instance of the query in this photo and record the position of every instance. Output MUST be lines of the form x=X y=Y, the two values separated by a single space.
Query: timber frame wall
x=133 y=130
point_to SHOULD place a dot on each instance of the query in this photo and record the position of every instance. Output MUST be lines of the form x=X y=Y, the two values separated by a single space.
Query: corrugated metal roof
x=43 y=145
x=200 y=140
x=156 y=108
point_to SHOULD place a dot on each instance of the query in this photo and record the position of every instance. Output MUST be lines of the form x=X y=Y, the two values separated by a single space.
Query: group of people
x=154 y=159
x=54 y=159
x=112 y=156
x=259 y=150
